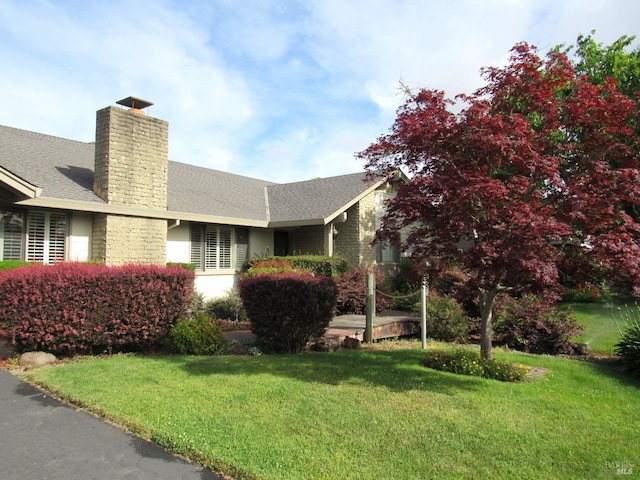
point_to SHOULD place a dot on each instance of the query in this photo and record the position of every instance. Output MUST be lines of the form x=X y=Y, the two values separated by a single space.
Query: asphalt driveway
x=41 y=438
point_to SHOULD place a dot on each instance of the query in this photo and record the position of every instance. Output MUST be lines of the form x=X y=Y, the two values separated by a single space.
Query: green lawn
x=601 y=324
x=365 y=414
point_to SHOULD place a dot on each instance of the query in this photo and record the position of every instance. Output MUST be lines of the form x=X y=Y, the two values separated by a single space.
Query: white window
x=43 y=240
x=11 y=235
x=46 y=237
x=211 y=247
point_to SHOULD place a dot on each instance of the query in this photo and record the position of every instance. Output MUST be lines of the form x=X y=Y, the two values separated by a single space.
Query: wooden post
x=371 y=307
x=425 y=294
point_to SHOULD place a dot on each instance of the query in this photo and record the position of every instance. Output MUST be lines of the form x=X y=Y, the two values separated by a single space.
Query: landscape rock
x=239 y=349
x=351 y=343
x=37 y=359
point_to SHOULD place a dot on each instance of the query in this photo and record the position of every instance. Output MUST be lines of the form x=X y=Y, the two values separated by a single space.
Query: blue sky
x=280 y=90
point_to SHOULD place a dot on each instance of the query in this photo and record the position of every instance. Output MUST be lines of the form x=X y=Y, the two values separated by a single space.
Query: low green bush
x=469 y=362
x=198 y=335
x=628 y=348
x=13 y=264
x=446 y=319
x=229 y=307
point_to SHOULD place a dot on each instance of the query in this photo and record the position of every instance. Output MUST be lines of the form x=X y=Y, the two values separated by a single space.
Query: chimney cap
x=134 y=102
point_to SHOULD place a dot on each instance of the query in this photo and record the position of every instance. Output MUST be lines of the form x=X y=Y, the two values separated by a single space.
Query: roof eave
x=130 y=211
x=19 y=185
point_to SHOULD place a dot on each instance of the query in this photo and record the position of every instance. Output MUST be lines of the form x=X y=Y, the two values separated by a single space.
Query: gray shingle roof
x=64 y=170
x=212 y=192
x=314 y=199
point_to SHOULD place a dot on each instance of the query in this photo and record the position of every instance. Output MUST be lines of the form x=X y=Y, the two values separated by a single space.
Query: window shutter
x=57 y=237
x=224 y=248
x=196 y=246
x=36 y=229
x=242 y=246
x=211 y=248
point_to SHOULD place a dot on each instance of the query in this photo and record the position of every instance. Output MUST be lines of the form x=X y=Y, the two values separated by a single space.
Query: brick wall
x=367 y=220
x=309 y=240
x=135 y=240
x=347 y=242
x=99 y=238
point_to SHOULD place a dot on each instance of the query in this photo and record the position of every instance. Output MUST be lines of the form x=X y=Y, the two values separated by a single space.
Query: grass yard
x=365 y=414
x=601 y=324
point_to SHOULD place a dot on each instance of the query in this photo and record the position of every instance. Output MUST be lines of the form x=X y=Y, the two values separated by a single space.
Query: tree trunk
x=486 y=326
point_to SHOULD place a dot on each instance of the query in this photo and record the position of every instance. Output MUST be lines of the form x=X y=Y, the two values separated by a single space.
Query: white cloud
x=278 y=90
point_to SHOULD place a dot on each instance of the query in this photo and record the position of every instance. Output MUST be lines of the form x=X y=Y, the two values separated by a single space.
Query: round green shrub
x=446 y=319
x=628 y=348
x=197 y=336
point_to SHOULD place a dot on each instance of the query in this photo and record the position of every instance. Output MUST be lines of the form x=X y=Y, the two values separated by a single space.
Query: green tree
x=599 y=61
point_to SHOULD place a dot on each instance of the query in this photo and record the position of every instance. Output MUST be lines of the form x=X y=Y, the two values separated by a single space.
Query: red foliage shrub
x=352 y=292
x=80 y=308
x=287 y=310
x=531 y=324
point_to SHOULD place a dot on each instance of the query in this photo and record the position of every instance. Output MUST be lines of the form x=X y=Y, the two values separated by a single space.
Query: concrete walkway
x=41 y=438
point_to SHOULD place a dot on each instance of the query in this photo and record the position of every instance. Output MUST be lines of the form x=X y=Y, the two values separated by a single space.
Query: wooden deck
x=388 y=325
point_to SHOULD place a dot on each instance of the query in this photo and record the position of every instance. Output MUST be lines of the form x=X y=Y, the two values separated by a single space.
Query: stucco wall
x=80 y=227
x=215 y=285
x=178 y=246
x=260 y=242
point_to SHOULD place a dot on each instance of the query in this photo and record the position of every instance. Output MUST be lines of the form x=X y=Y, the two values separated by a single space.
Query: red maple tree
x=538 y=165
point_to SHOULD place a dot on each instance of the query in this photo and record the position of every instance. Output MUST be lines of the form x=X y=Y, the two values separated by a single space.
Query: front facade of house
x=120 y=200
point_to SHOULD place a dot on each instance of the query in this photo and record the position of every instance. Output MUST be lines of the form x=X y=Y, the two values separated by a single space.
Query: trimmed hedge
x=318 y=264
x=287 y=310
x=75 y=308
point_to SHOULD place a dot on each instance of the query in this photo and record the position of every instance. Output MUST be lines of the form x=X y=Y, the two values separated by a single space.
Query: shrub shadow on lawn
x=396 y=370
x=612 y=367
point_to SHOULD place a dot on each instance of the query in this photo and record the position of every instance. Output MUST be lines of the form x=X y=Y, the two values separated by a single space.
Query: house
x=120 y=200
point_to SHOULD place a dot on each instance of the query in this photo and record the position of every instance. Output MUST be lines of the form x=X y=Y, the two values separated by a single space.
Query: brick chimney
x=131 y=169
x=132 y=159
